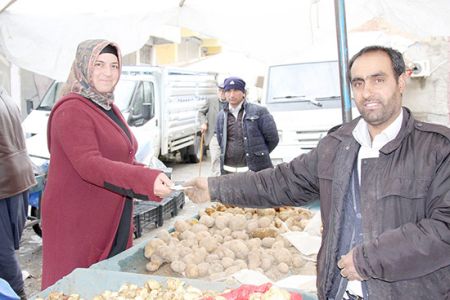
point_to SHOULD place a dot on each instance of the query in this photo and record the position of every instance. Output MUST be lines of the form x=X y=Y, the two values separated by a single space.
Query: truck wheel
x=36 y=227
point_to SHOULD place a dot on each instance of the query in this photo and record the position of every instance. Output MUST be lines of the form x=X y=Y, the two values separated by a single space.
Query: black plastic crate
x=144 y=214
x=179 y=201
x=172 y=204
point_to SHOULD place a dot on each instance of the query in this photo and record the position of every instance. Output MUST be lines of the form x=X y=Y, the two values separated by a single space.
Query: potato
x=178 y=266
x=264 y=222
x=268 y=242
x=263 y=232
x=201 y=235
x=181 y=225
x=254 y=243
x=237 y=222
x=188 y=235
x=198 y=228
x=151 y=247
x=164 y=236
x=212 y=258
x=254 y=261
x=298 y=261
x=152 y=266
x=225 y=232
x=266 y=212
x=283 y=268
x=239 y=248
x=203 y=269
x=227 y=262
x=216 y=267
x=266 y=263
x=209 y=243
x=283 y=255
x=221 y=221
x=207 y=221
x=191 y=271
x=240 y=235
x=252 y=225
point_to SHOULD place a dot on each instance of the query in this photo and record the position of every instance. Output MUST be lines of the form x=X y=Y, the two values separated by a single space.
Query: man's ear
x=402 y=82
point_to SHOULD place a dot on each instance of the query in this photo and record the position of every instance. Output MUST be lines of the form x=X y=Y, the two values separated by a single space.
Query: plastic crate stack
x=146 y=212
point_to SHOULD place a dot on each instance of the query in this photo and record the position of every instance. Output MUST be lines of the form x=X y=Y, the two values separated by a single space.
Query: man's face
x=234 y=97
x=376 y=93
x=221 y=94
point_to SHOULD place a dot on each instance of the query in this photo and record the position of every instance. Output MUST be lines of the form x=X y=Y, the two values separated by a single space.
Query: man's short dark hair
x=397 y=62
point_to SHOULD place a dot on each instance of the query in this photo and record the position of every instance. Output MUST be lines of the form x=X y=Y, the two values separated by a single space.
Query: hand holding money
x=198 y=191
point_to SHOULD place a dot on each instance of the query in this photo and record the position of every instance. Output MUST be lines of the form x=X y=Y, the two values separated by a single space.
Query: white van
x=304 y=99
x=160 y=105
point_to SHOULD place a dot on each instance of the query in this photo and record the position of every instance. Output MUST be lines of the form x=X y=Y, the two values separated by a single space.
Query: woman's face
x=106 y=73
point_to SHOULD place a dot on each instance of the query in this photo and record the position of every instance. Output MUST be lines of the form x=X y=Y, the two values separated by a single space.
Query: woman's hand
x=161 y=186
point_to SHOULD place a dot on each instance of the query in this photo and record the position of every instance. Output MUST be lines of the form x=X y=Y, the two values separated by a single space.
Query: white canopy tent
x=41 y=36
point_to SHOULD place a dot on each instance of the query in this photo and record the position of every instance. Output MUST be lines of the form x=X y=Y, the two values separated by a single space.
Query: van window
x=143 y=94
x=149 y=95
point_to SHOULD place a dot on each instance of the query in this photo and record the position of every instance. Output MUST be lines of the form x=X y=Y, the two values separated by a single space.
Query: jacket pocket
x=251 y=122
x=408 y=188
x=252 y=118
x=261 y=154
x=402 y=200
x=260 y=159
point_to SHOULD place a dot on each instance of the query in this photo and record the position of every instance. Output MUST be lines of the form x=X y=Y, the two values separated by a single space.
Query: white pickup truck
x=304 y=99
x=160 y=105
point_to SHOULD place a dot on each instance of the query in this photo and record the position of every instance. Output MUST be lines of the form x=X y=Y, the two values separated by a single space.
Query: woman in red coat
x=93 y=176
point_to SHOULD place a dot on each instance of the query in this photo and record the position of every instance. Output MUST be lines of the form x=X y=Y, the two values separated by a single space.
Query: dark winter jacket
x=405 y=207
x=260 y=135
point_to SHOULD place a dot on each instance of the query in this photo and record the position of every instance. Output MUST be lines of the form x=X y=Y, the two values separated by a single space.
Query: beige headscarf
x=80 y=77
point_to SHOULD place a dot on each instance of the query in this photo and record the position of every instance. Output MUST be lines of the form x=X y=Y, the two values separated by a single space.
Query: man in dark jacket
x=246 y=131
x=383 y=181
x=16 y=178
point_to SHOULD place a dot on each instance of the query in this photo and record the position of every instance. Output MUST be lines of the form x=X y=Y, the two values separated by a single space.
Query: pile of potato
x=61 y=296
x=225 y=240
x=175 y=289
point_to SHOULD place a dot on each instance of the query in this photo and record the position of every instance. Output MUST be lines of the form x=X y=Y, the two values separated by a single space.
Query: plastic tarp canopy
x=41 y=36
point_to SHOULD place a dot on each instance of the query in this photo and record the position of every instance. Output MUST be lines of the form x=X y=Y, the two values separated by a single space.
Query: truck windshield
x=54 y=93
x=312 y=85
x=122 y=94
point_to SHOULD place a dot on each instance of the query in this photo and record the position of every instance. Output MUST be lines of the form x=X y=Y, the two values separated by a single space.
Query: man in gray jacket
x=383 y=181
x=16 y=177
x=207 y=116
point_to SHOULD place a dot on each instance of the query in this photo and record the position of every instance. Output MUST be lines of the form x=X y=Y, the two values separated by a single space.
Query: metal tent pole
x=341 y=32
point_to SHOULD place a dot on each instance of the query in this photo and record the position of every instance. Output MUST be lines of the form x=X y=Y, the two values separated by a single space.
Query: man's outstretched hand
x=197 y=190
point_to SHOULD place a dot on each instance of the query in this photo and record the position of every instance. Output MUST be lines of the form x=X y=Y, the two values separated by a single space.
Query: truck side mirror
x=29 y=104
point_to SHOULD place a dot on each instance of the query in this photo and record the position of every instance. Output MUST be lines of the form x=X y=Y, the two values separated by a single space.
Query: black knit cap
x=110 y=49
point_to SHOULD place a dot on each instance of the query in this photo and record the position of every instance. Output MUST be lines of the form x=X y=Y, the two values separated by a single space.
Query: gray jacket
x=405 y=207
x=16 y=172
x=208 y=114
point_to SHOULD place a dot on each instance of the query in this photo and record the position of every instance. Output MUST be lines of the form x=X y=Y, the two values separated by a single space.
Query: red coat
x=80 y=216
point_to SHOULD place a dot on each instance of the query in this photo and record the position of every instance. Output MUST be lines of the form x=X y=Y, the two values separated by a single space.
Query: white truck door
x=140 y=113
x=144 y=122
